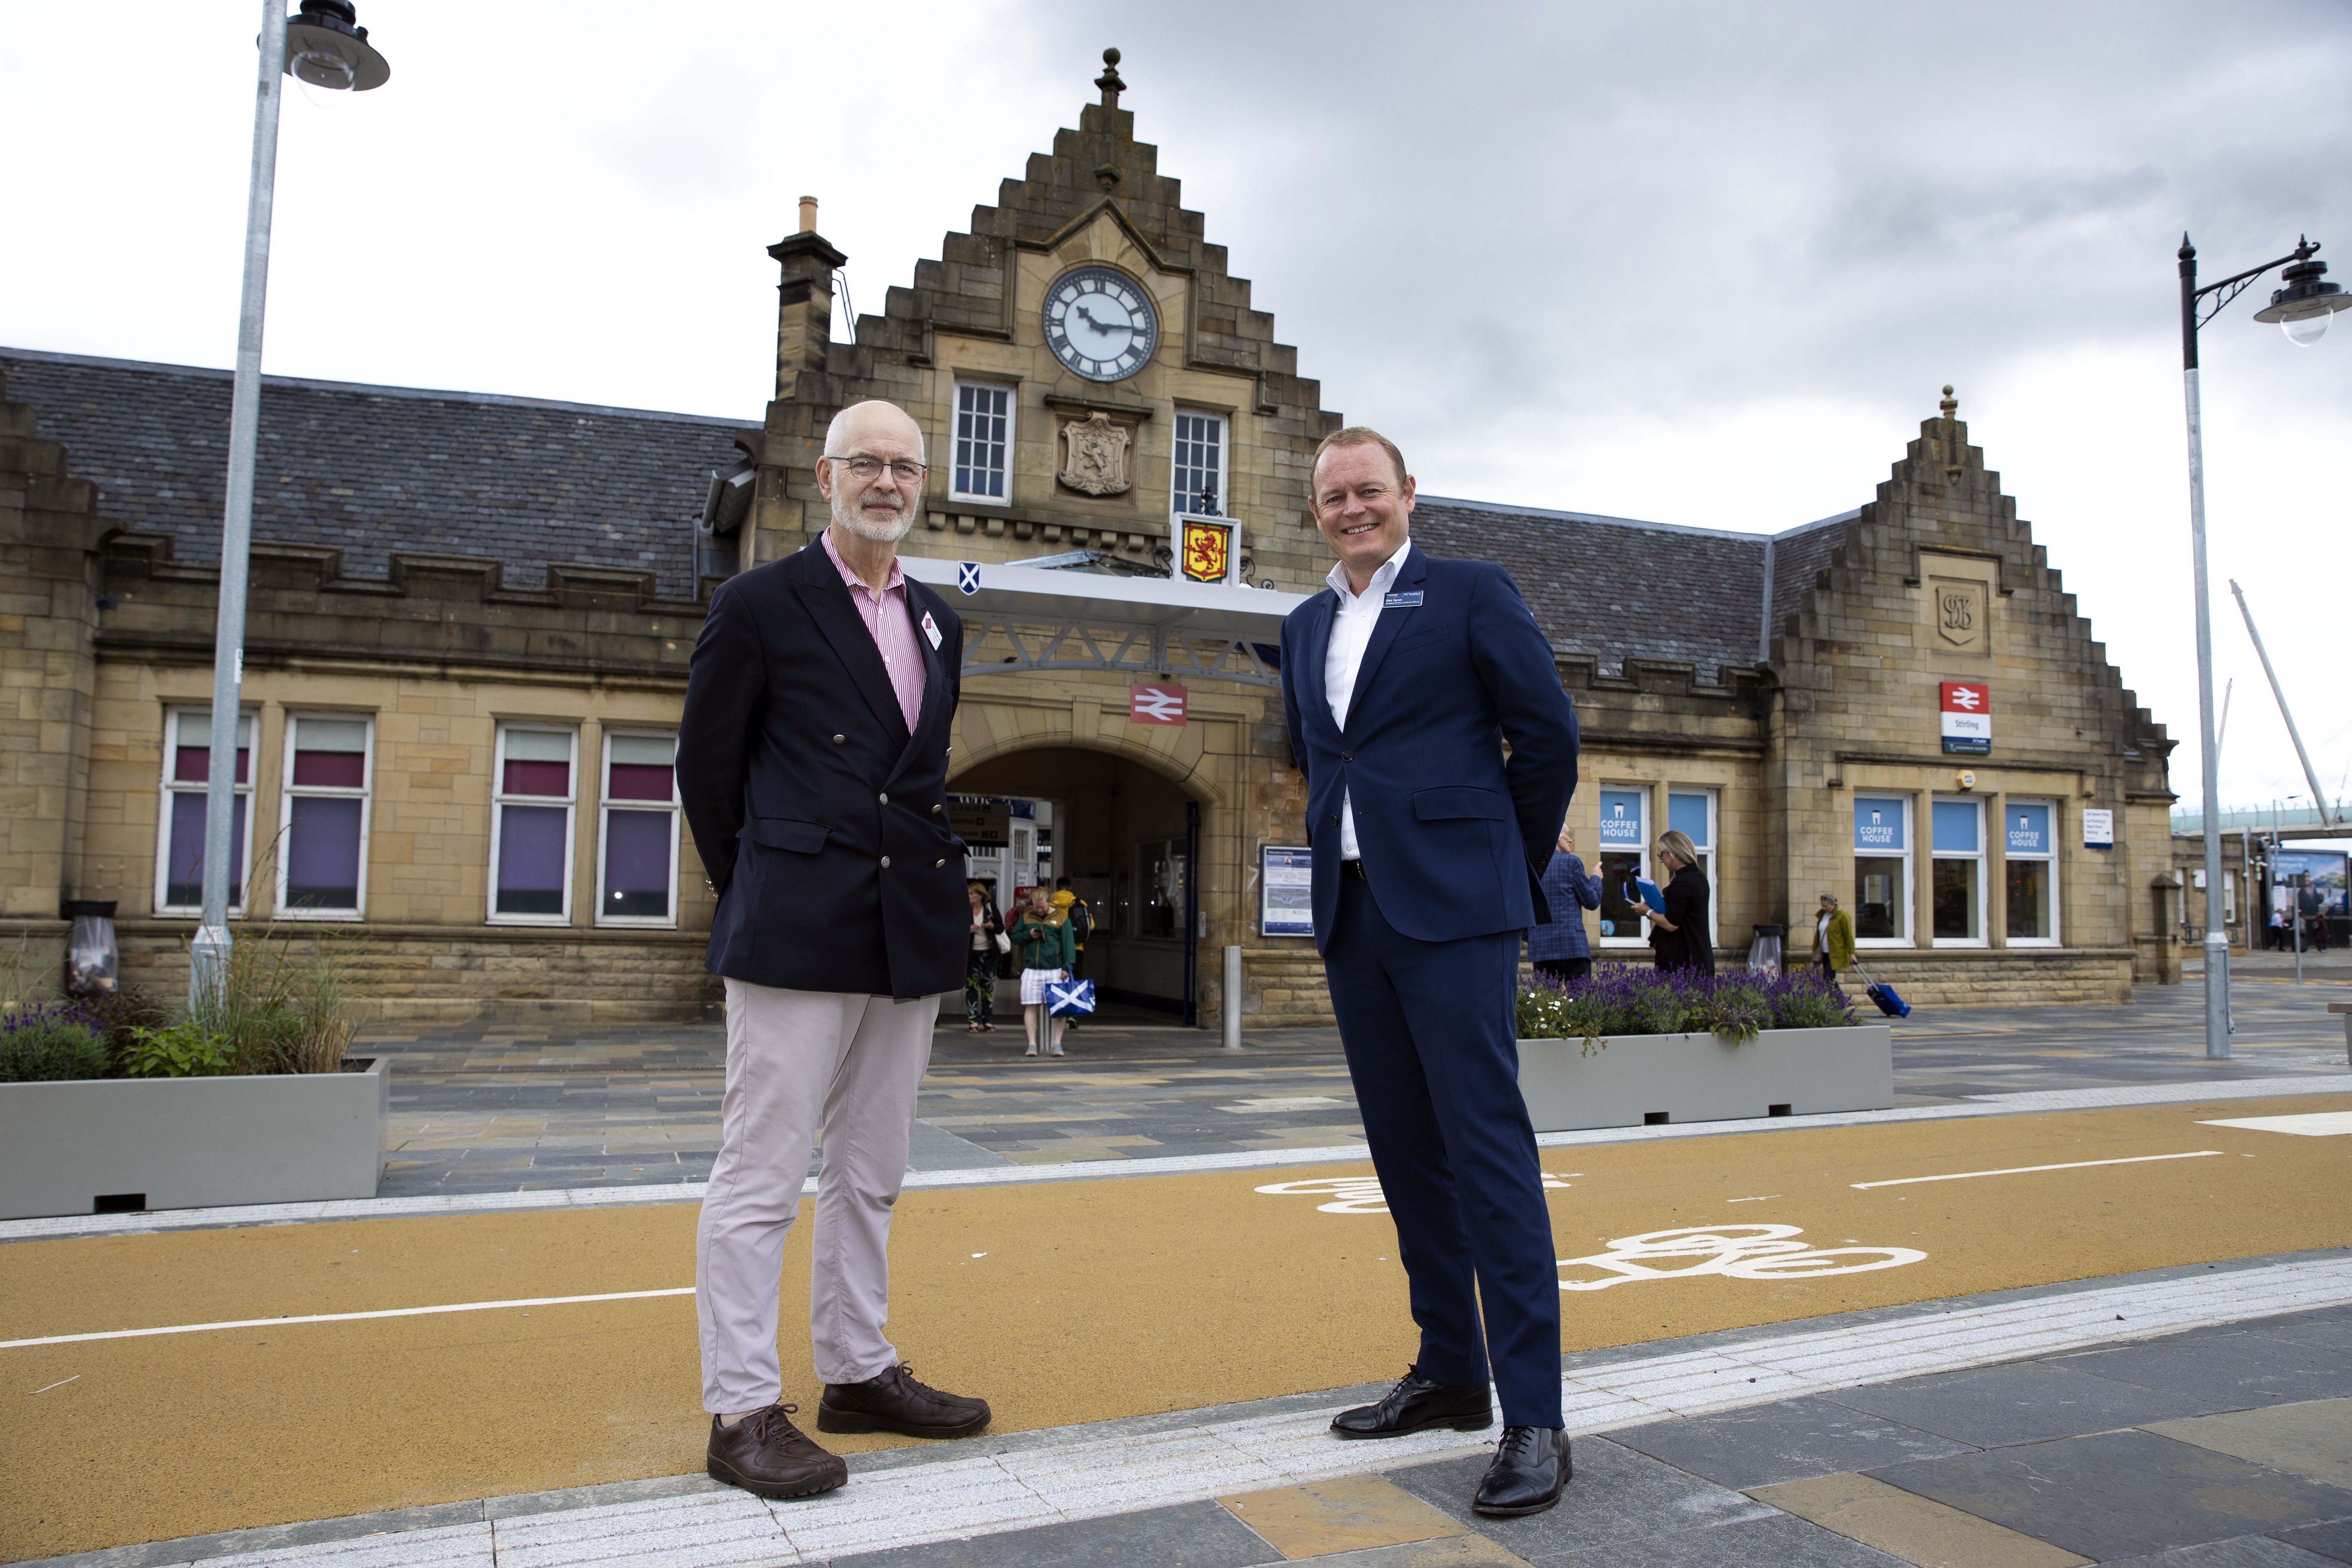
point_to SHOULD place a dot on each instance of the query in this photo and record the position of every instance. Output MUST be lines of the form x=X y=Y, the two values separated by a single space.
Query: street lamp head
x=2303 y=307
x=326 y=47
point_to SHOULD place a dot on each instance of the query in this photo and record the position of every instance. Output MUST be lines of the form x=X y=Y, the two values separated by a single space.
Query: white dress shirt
x=1351 y=633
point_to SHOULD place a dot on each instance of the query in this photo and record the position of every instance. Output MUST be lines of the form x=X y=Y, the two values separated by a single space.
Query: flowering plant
x=1621 y=999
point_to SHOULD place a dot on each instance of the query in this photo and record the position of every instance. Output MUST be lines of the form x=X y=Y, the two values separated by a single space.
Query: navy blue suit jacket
x=1453 y=838
x=798 y=777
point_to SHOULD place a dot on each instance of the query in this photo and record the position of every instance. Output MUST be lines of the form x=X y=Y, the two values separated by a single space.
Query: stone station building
x=471 y=617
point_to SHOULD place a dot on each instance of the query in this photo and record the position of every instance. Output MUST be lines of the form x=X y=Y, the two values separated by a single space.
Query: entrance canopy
x=1023 y=617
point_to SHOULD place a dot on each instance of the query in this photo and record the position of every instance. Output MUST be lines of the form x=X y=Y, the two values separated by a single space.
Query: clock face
x=1099 y=323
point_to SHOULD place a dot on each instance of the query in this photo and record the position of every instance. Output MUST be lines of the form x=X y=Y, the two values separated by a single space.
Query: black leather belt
x=1353 y=868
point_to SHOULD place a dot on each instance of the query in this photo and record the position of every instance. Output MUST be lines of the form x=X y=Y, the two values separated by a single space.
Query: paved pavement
x=511 y=1108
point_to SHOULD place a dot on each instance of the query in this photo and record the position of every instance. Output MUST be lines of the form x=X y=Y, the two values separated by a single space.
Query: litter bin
x=1764 y=952
x=90 y=956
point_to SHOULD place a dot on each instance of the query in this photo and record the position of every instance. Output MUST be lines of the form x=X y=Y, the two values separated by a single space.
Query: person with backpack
x=1080 y=917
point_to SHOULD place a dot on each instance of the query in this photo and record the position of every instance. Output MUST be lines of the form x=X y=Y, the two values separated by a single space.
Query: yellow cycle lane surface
x=1060 y=1302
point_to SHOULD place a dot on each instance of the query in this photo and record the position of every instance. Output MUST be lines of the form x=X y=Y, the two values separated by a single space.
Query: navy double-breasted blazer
x=822 y=821
x=1454 y=837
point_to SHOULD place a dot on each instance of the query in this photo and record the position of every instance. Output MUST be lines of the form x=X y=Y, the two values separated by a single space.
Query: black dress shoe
x=1415 y=1405
x=766 y=1456
x=1529 y=1472
x=895 y=1401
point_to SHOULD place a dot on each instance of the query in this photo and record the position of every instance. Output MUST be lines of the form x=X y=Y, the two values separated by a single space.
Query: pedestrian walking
x=1561 y=949
x=1679 y=934
x=1402 y=683
x=1833 y=937
x=812 y=770
x=1041 y=937
x=988 y=940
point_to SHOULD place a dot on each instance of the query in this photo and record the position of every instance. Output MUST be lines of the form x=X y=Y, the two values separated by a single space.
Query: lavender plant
x=1617 y=1000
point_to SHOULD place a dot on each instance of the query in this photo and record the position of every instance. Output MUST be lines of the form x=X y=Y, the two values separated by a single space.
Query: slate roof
x=371 y=469
x=1614 y=587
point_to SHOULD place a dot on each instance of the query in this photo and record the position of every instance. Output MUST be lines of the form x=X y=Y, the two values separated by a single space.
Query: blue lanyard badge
x=1402 y=601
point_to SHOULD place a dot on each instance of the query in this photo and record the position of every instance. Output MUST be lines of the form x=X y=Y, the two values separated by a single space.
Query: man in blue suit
x=1401 y=685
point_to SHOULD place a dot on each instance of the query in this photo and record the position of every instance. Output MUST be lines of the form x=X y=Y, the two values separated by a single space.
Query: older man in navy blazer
x=812 y=761
x=1402 y=685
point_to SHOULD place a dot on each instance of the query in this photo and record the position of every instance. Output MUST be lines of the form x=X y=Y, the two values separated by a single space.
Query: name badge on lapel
x=1402 y=601
x=931 y=630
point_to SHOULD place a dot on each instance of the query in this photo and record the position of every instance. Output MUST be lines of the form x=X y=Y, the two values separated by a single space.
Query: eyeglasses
x=868 y=469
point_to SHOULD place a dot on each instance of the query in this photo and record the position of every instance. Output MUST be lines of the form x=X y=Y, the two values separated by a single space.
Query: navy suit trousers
x=1432 y=1037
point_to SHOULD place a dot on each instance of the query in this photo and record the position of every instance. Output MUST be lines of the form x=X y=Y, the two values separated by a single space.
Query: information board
x=1285 y=892
x=2098 y=829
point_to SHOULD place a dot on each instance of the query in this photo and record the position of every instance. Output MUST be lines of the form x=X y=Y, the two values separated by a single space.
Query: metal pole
x=2327 y=818
x=208 y=954
x=1233 y=998
x=2217 y=941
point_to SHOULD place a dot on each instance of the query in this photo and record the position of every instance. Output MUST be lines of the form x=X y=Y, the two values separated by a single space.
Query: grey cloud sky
x=1708 y=264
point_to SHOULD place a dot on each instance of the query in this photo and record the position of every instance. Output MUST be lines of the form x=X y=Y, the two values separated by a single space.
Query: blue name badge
x=1402 y=601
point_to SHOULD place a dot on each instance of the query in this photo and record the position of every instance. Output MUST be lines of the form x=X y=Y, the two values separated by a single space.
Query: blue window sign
x=1621 y=818
x=2029 y=829
x=1689 y=814
x=1956 y=822
x=1878 y=824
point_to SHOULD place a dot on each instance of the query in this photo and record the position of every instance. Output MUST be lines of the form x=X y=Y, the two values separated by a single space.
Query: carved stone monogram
x=1096 y=454
x=1958 y=608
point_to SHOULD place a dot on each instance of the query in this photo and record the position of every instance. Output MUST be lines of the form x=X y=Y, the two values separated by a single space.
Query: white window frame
x=2049 y=857
x=1180 y=504
x=1707 y=853
x=170 y=786
x=956 y=411
x=607 y=805
x=1640 y=936
x=288 y=791
x=500 y=800
x=1983 y=859
x=1909 y=854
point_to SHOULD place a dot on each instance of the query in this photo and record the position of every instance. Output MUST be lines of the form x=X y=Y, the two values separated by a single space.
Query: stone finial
x=1109 y=81
x=1951 y=405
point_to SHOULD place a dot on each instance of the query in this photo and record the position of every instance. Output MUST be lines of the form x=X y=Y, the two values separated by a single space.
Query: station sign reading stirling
x=1968 y=718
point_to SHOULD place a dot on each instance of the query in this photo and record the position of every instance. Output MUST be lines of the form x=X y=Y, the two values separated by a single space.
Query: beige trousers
x=797 y=1060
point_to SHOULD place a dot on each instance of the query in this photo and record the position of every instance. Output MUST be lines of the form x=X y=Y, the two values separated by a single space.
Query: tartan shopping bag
x=1068 y=998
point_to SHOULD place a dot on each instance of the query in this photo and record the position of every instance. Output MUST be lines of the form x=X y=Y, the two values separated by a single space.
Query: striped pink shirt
x=888 y=616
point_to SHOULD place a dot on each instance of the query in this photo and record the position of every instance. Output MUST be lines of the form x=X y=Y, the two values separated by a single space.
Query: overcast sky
x=1702 y=264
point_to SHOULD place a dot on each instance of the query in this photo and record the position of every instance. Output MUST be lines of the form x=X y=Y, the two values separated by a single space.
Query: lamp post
x=326 y=47
x=2303 y=309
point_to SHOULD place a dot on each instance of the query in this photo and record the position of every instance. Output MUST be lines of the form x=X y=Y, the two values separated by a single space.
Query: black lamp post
x=2303 y=309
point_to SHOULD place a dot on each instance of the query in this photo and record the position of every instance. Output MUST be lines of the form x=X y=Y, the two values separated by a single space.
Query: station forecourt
x=485 y=674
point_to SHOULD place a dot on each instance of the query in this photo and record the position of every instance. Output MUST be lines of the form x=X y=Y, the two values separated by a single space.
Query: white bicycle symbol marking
x=1734 y=1251
x=1762 y=1252
x=1357 y=1194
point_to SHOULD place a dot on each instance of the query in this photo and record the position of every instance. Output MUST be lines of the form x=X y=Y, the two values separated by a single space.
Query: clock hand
x=1097 y=326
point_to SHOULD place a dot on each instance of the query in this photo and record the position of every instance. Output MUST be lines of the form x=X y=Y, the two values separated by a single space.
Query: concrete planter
x=99 y=1145
x=1642 y=1079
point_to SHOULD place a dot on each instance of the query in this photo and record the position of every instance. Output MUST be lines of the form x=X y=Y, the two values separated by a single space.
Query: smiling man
x=1402 y=685
x=812 y=771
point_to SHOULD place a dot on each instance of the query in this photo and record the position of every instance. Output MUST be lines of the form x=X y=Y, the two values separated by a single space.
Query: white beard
x=879 y=533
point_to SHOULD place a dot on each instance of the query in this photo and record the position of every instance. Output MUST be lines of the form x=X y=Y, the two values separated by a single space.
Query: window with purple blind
x=637 y=884
x=530 y=850
x=323 y=866
x=180 y=850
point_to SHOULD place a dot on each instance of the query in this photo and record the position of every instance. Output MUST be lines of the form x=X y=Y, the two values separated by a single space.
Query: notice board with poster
x=1285 y=890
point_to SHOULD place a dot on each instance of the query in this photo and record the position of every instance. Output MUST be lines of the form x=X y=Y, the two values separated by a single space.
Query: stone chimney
x=805 y=314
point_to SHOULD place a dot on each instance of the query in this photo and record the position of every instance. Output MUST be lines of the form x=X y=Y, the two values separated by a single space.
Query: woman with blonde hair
x=1042 y=936
x=1679 y=933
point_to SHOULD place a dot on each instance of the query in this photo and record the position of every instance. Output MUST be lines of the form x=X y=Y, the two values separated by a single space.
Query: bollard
x=1233 y=998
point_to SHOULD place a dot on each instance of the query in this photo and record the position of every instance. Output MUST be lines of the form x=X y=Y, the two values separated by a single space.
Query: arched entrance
x=1129 y=841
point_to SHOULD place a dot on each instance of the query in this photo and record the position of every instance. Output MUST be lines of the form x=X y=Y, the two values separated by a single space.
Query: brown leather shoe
x=895 y=1401
x=766 y=1456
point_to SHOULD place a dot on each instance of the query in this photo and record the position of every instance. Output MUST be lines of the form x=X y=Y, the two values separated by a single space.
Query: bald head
x=871 y=419
x=880 y=504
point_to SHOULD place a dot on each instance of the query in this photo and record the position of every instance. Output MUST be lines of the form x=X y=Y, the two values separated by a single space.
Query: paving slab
x=2027 y=1403
x=1792 y=1440
x=1615 y=1495
x=2312 y=1439
x=2229 y=1372
x=2121 y=1494
x=1913 y=1527
x=1190 y=1535
x=1770 y=1540
x=2246 y=1552
x=2333 y=1541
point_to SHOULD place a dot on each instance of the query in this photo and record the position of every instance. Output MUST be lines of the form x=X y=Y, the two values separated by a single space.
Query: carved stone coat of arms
x=1096 y=452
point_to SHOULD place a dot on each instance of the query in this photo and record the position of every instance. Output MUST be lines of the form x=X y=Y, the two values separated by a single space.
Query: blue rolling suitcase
x=1887 y=1000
